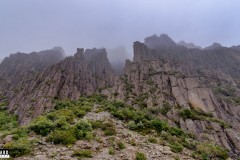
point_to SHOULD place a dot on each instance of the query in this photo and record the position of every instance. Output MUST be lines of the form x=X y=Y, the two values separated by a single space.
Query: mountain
x=236 y=47
x=203 y=84
x=81 y=74
x=214 y=46
x=19 y=68
x=162 y=40
x=183 y=101
x=189 y=45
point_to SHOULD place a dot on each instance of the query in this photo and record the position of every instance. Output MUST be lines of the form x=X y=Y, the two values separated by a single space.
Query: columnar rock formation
x=185 y=79
x=19 y=68
x=81 y=74
x=196 y=90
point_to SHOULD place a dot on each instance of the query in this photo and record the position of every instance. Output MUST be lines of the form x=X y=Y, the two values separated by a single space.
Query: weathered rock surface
x=185 y=78
x=81 y=74
x=19 y=68
x=162 y=76
x=189 y=45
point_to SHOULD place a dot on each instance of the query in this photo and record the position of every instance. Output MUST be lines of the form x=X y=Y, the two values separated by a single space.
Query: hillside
x=168 y=96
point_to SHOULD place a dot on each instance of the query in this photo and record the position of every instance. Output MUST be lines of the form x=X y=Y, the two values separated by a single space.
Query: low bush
x=65 y=137
x=7 y=121
x=208 y=151
x=176 y=147
x=42 y=126
x=175 y=131
x=165 y=108
x=159 y=125
x=19 y=147
x=111 y=151
x=152 y=140
x=109 y=129
x=83 y=153
x=140 y=156
x=82 y=128
x=121 y=145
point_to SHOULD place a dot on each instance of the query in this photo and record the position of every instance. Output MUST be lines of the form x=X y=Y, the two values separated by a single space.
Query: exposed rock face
x=99 y=64
x=19 y=67
x=214 y=46
x=189 y=45
x=161 y=74
x=236 y=47
x=185 y=78
x=159 y=41
x=82 y=74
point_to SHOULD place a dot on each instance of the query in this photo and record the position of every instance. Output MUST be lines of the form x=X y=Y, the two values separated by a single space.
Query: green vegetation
x=82 y=129
x=41 y=126
x=111 y=151
x=140 y=156
x=121 y=145
x=176 y=147
x=208 y=151
x=62 y=137
x=7 y=120
x=152 y=140
x=201 y=115
x=83 y=153
x=228 y=93
x=165 y=108
x=19 y=147
x=64 y=125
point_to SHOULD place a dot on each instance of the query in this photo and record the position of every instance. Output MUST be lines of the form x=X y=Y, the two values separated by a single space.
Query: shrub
x=132 y=125
x=61 y=124
x=83 y=153
x=175 y=131
x=165 y=108
x=7 y=121
x=96 y=124
x=140 y=156
x=158 y=125
x=121 y=145
x=109 y=129
x=18 y=148
x=210 y=151
x=19 y=132
x=42 y=126
x=82 y=128
x=89 y=136
x=152 y=140
x=62 y=137
x=187 y=114
x=176 y=147
x=111 y=151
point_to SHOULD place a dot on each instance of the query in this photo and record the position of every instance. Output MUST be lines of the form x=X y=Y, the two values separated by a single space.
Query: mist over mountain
x=188 y=45
x=184 y=95
x=117 y=57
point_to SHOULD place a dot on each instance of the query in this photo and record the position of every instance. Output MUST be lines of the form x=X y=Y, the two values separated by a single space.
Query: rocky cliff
x=195 y=90
x=19 y=67
x=81 y=74
x=190 y=89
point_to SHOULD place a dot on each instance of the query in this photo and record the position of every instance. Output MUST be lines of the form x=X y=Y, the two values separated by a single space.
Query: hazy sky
x=33 y=25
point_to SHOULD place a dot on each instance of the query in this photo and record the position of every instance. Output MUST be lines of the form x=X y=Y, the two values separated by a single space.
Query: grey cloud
x=29 y=25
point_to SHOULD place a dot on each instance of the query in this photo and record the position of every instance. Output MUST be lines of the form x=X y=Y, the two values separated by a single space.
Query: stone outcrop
x=21 y=67
x=185 y=80
x=189 y=45
x=163 y=77
x=82 y=74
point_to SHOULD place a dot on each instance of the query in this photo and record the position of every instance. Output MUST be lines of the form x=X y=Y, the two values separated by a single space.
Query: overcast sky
x=33 y=25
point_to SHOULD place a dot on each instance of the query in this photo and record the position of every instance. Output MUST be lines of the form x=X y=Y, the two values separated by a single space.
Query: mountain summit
x=163 y=40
